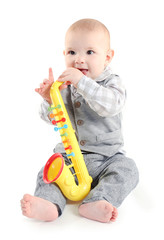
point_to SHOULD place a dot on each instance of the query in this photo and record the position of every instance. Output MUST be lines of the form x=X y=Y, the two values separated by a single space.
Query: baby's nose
x=79 y=59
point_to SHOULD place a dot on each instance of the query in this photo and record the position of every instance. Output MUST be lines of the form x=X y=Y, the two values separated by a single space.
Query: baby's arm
x=107 y=100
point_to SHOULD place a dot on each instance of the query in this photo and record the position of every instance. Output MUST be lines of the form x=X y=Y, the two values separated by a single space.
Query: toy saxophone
x=55 y=169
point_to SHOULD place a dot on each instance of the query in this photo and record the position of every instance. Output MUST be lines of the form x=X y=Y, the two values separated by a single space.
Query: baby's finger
x=45 y=81
x=41 y=85
x=64 y=74
x=68 y=83
x=51 y=77
x=63 y=78
x=38 y=90
x=63 y=86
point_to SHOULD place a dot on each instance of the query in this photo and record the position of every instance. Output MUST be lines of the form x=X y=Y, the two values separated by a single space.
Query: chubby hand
x=44 y=89
x=70 y=76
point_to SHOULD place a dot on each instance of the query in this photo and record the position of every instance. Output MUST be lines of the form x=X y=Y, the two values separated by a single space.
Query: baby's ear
x=110 y=55
x=64 y=52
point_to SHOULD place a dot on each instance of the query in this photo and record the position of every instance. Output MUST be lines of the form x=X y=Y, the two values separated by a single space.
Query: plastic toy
x=55 y=169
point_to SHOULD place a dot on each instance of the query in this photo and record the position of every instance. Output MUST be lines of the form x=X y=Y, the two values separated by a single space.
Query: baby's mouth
x=83 y=70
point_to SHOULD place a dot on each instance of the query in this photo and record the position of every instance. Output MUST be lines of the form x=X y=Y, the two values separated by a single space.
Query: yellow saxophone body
x=55 y=169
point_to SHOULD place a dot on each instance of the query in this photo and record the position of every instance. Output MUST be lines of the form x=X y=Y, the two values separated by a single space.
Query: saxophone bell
x=53 y=168
x=55 y=171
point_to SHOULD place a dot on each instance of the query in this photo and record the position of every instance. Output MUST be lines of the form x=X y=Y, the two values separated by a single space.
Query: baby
x=94 y=98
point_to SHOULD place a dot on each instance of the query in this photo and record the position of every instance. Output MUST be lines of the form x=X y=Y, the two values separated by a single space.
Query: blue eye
x=89 y=52
x=71 y=52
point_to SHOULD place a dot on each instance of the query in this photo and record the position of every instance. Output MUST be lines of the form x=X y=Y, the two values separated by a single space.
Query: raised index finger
x=51 y=77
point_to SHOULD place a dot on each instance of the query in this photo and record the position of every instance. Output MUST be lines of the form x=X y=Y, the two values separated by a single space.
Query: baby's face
x=87 y=51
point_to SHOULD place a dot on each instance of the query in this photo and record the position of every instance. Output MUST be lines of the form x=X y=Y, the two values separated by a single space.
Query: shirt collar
x=106 y=73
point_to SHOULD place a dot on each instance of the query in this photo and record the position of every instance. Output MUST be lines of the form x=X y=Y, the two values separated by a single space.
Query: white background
x=31 y=41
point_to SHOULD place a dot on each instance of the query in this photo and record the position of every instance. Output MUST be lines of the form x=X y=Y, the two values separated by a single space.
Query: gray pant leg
x=50 y=192
x=115 y=181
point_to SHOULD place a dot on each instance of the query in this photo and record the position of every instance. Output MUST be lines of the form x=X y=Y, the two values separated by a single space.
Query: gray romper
x=94 y=109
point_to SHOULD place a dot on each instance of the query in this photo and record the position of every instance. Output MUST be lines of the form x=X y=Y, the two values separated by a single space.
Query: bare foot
x=101 y=211
x=38 y=208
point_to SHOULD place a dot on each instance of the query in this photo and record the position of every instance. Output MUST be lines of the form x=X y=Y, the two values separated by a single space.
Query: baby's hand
x=44 y=89
x=70 y=76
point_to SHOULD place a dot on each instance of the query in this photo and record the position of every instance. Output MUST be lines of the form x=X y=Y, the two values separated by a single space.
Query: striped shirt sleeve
x=43 y=111
x=107 y=100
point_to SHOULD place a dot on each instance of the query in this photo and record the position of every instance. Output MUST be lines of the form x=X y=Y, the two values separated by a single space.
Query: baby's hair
x=90 y=25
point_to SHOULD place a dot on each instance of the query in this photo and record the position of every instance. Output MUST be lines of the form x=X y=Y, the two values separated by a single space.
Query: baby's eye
x=71 y=52
x=89 y=52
